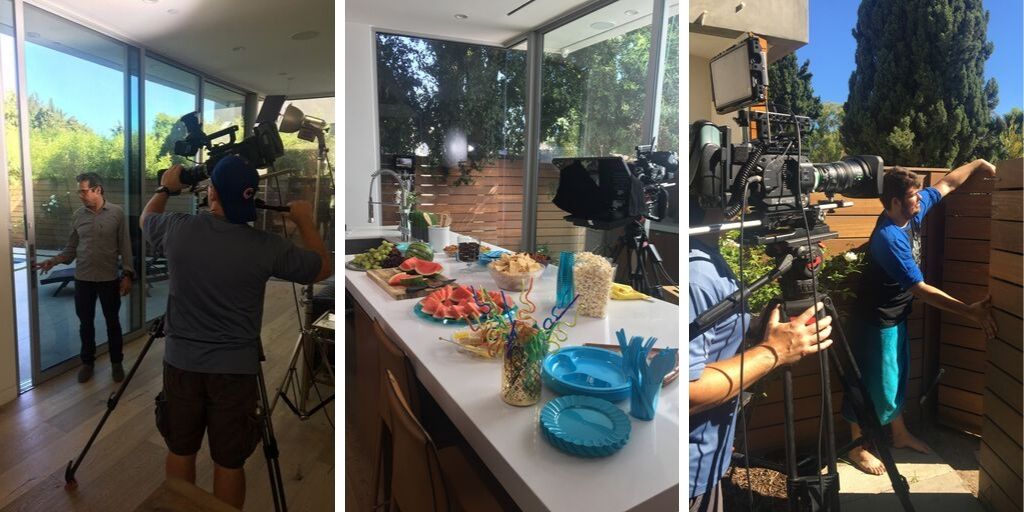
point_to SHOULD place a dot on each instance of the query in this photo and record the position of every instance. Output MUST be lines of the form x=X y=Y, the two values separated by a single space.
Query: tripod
x=808 y=489
x=292 y=382
x=270 y=450
x=640 y=253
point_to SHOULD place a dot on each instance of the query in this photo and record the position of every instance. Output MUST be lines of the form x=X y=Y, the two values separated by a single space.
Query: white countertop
x=372 y=232
x=644 y=475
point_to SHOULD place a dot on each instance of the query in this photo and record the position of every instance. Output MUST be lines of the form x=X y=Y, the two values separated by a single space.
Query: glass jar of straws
x=521 y=369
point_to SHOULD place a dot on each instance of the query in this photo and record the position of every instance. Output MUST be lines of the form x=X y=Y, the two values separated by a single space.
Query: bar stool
x=428 y=479
x=391 y=361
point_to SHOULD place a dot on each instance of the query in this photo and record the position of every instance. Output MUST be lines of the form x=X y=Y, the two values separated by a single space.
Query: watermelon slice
x=462 y=294
x=430 y=305
x=396 y=280
x=409 y=264
x=471 y=310
x=442 y=311
x=463 y=310
x=427 y=268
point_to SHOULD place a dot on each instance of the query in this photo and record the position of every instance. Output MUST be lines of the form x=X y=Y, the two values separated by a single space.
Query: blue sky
x=832 y=46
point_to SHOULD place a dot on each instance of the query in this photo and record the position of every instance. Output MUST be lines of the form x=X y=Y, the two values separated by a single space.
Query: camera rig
x=607 y=193
x=769 y=178
x=259 y=150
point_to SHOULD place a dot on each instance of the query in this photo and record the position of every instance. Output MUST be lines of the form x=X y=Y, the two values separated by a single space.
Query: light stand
x=308 y=128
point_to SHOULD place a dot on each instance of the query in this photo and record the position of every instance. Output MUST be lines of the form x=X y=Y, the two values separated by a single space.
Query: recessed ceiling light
x=461 y=16
x=632 y=12
x=238 y=49
x=283 y=73
x=304 y=35
x=172 y=11
x=151 y=1
x=602 y=25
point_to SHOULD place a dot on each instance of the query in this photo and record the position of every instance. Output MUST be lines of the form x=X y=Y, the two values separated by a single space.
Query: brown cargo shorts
x=223 y=404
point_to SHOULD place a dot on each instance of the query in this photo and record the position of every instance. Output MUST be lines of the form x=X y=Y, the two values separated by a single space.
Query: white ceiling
x=487 y=20
x=204 y=34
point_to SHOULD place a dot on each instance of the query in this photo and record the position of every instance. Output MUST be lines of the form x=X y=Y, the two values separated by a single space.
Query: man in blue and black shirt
x=893 y=279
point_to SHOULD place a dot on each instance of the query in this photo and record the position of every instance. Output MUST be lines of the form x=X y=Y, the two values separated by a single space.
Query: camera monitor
x=739 y=75
x=405 y=164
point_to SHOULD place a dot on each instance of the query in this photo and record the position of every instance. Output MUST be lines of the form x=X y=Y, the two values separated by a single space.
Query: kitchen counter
x=644 y=475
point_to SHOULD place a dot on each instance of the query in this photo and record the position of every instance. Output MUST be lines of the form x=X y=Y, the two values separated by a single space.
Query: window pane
x=301 y=159
x=74 y=129
x=668 y=126
x=592 y=98
x=459 y=109
x=170 y=94
x=222 y=108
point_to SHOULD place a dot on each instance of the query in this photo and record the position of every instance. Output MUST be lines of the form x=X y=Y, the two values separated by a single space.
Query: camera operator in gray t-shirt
x=219 y=267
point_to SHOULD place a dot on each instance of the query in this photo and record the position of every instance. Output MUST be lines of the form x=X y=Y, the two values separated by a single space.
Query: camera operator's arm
x=301 y=213
x=978 y=311
x=171 y=180
x=784 y=343
x=958 y=176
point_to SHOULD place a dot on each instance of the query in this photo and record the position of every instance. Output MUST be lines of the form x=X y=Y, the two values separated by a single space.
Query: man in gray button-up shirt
x=99 y=233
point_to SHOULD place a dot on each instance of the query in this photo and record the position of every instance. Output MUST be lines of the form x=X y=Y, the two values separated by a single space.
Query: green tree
x=1011 y=138
x=824 y=141
x=790 y=90
x=917 y=95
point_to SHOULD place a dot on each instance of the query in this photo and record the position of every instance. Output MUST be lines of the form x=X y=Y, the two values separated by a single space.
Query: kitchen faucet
x=404 y=187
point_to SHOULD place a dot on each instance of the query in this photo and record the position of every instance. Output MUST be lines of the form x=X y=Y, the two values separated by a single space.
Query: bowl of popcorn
x=513 y=272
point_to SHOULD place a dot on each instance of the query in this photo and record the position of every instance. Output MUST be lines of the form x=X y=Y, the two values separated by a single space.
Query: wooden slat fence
x=1000 y=474
x=491 y=208
x=965 y=276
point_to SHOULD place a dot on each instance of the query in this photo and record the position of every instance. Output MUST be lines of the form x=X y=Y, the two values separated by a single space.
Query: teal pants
x=883 y=355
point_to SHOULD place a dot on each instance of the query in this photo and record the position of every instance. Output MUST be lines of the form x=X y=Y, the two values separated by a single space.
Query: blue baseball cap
x=236 y=182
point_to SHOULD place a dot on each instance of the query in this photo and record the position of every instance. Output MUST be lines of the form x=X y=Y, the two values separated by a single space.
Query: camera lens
x=855 y=176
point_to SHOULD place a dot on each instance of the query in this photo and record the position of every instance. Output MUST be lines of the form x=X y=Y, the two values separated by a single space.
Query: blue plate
x=418 y=309
x=486 y=258
x=584 y=426
x=586 y=371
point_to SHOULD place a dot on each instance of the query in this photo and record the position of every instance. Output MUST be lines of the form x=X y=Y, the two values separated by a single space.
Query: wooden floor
x=45 y=428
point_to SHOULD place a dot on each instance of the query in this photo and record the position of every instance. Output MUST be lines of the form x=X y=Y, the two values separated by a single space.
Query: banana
x=626 y=292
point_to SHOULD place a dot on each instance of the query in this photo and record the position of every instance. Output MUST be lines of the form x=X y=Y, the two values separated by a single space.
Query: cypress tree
x=789 y=88
x=917 y=94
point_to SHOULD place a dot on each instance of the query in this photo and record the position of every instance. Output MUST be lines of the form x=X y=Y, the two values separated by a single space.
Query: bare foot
x=909 y=441
x=866 y=461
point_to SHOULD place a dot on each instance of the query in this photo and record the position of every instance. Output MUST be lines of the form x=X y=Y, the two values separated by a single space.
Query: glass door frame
x=136 y=197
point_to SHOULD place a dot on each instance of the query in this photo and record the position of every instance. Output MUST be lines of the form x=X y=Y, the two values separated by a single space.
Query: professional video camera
x=260 y=150
x=772 y=160
x=608 y=192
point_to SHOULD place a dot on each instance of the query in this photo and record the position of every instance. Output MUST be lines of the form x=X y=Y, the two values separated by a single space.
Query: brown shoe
x=117 y=372
x=85 y=373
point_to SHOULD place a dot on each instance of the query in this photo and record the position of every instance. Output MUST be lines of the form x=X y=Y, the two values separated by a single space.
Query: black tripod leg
x=270 y=450
x=856 y=391
x=155 y=331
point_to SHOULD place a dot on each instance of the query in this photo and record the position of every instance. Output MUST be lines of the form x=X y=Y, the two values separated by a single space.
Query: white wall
x=8 y=341
x=361 y=158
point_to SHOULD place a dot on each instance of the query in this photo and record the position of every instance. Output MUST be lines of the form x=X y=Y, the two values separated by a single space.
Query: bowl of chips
x=513 y=272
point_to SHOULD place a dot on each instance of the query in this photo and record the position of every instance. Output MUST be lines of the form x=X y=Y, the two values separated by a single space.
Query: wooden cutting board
x=382 y=275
